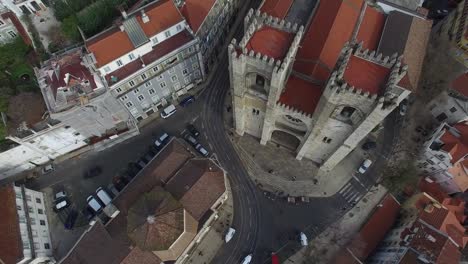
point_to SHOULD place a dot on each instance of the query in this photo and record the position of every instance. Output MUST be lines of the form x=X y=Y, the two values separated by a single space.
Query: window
x=119 y=90
x=155 y=40
x=67 y=127
x=42 y=222
x=430 y=162
x=123 y=98
x=26 y=245
x=155 y=69
x=187 y=79
x=33 y=221
x=179 y=27
x=167 y=34
x=36 y=245
x=143 y=76
x=18 y=195
x=141 y=97
x=131 y=56
x=151 y=91
x=119 y=63
x=184 y=71
x=326 y=140
x=22 y=219
x=190 y=49
x=129 y=104
x=441 y=117
x=160 y=77
x=18 y=207
x=107 y=69
x=163 y=84
x=76 y=133
x=137 y=90
x=46 y=246
x=195 y=66
x=196 y=74
x=30 y=209
x=148 y=83
x=40 y=211
x=28 y=197
x=453 y=110
x=12 y=34
x=38 y=200
x=171 y=70
x=1 y=22
x=174 y=78
x=131 y=83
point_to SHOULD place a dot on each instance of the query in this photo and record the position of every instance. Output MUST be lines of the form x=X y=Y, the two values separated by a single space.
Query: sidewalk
x=206 y=250
x=324 y=247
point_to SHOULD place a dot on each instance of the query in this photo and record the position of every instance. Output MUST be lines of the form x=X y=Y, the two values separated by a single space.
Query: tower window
x=347 y=111
x=259 y=80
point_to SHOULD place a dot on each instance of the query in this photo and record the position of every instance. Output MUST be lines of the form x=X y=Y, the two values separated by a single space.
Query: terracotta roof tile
x=301 y=94
x=195 y=12
x=371 y=28
x=276 y=8
x=197 y=185
x=460 y=84
x=460 y=174
x=157 y=52
x=11 y=247
x=375 y=229
x=456 y=145
x=372 y=81
x=162 y=15
x=114 y=43
x=138 y=256
x=270 y=41
x=433 y=189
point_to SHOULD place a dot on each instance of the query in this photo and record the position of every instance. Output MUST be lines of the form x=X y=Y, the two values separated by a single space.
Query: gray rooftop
x=135 y=32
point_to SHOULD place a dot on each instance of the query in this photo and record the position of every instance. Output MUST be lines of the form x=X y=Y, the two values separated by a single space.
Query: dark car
x=71 y=219
x=191 y=140
x=369 y=145
x=186 y=101
x=191 y=128
x=93 y=172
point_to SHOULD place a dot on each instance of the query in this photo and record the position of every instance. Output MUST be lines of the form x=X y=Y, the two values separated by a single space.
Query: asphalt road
x=263 y=225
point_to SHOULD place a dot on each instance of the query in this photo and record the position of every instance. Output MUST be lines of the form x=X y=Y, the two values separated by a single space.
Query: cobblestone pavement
x=326 y=244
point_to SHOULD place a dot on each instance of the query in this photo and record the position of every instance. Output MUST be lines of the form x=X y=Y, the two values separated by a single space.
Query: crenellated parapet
x=289 y=110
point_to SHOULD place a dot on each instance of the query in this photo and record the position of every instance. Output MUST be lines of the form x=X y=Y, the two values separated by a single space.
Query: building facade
x=24 y=7
x=454 y=29
x=321 y=110
x=210 y=21
x=25 y=229
x=8 y=31
x=156 y=61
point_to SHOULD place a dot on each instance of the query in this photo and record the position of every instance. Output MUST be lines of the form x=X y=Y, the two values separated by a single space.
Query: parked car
x=202 y=150
x=364 y=166
x=94 y=204
x=230 y=234
x=247 y=259
x=93 y=172
x=161 y=141
x=61 y=204
x=187 y=101
x=48 y=168
x=103 y=196
x=113 y=190
x=71 y=219
x=403 y=107
x=193 y=130
x=60 y=195
x=369 y=145
x=191 y=140
x=168 y=111
x=303 y=239
x=142 y=163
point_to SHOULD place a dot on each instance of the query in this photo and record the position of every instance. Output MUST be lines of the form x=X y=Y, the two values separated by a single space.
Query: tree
x=70 y=28
x=396 y=179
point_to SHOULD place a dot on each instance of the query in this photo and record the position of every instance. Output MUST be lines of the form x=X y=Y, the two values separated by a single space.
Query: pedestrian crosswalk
x=353 y=191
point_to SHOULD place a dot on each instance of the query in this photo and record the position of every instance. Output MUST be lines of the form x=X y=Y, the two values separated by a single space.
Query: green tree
x=70 y=28
x=398 y=178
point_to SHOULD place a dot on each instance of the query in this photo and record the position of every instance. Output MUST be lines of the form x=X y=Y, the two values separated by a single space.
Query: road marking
x=345 y=187
x=211 y=146
x=354 y=176
x=250 y=210
x=183 y=131
x=350 y=199
x=357 y=198
x=248 y=236
x=195 y=118
x=347 y=191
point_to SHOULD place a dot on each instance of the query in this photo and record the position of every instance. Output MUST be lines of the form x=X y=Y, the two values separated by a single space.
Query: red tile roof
x=11 y=247
x=371 y=28
x=195 y=12
x=375 y=229
x=160 y=50
x=114 y=43
x=270 y=41
x=460 y=84
x=141 y=257
x=276 y=8
x=433 y=189
x=301 y=94
x=366 y=75
x=456 y=146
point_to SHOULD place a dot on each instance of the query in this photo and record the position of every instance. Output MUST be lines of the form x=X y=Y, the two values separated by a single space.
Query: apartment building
x=25 y=231
x=24 y=7
x=454 y=30
x=149 y=60
x=210 y=22
x=8 y=31
x=428 y=231
x=451 y=106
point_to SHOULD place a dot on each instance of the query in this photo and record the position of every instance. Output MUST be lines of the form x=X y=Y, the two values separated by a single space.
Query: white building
x=451 y=106
x=25 y=230
x=8 y=31
x=24 y=7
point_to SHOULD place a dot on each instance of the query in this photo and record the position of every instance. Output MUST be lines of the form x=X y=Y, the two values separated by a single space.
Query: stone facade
x=344 y=116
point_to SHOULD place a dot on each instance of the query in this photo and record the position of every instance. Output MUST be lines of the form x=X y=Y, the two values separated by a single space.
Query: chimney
x=124 y=13
x=122 y=28
x=144 y=17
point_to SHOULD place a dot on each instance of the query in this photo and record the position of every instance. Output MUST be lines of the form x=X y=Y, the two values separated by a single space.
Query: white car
x=230 y=233
x=60 y=195
x=364 y=166
x=168 y=111
x=247 y=259
x=303 y=239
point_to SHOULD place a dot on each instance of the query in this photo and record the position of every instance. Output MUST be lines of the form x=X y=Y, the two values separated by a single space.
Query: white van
x=94 y=204
x=303 y=239
x=168 y=111
x=103 y=196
